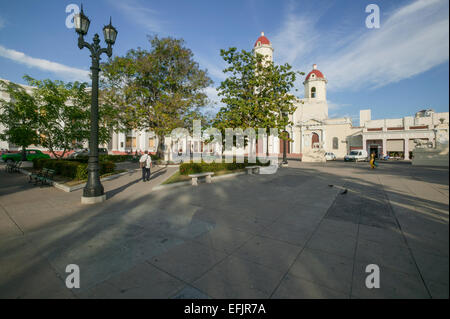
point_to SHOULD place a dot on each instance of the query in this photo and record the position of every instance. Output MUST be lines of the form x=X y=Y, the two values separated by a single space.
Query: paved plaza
x=308 y=231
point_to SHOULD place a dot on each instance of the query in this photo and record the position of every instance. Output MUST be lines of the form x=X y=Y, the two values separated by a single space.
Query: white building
x=314 y=133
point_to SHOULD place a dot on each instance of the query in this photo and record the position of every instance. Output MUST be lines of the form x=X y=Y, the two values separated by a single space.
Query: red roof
x=263 y=40
x=316 y=72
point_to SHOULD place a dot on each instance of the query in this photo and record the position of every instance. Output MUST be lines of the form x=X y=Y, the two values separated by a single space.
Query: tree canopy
x=53 y=114
x=158 y=89
x=256 y=92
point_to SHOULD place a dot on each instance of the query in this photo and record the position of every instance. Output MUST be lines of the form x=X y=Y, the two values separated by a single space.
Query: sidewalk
x=287 y=235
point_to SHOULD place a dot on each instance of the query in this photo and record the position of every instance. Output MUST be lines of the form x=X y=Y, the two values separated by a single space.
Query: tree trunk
x=24 y=154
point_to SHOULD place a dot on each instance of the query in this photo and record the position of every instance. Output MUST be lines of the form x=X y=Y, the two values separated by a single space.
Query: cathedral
x=313 y=133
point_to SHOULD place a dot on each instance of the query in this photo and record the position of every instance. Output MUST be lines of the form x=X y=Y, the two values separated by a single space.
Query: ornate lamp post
x=93 y=191
x=285 y=162
x=285 y=135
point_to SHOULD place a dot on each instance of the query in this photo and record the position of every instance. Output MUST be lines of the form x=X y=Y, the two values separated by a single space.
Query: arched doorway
x=315 y=140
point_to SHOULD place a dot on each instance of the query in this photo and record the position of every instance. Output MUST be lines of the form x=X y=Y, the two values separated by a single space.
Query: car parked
x=30 y=154
x=330 y=156
x=356 y=156
x=85 y=152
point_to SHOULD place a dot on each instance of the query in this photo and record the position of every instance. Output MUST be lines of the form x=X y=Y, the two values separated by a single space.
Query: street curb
x=69 y=189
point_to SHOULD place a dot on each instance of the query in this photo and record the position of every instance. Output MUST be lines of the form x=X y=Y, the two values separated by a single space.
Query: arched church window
x=313 y=92
x=335 y=143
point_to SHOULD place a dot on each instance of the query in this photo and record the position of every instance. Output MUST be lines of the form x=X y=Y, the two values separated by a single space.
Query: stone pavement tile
x=249 y=224
x=434 y=245
x=152 y=243
x=377 y=219
x=95 y=266
x=189 y=292
x=432 y=267
x=7 y=227
x=143 y=281
x=187 y=261
x=268 y=252
x=223 y=238
x=437 y=290
x=293 y=235
x=329 y=270
x=338 y=226
x=339 y=244
x=24 y=273
x=389 y=236
x=239 y=278
x=397 y=257
x=293 y=287
x=341 y=212
x=393 y=284
x=294 y=220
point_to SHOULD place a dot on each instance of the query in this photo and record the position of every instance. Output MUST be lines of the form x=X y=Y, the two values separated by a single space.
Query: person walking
x=372 y=161
x=145 y=163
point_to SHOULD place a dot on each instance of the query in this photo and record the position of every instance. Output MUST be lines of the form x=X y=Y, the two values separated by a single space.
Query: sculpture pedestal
x=314 y=156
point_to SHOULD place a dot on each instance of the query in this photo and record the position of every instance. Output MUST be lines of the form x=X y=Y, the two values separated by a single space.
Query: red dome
x=262 y=39
x=316 y=72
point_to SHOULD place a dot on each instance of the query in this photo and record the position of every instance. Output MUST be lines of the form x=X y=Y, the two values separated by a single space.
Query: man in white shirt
x=145 y=162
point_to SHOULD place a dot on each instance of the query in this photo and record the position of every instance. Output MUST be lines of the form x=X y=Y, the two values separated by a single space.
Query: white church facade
x=313 y=133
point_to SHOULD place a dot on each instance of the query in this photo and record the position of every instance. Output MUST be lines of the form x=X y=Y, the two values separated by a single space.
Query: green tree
x=19 y=116
x=158 y=89
x=63 y=122
x=53 y=114
x=256 y=93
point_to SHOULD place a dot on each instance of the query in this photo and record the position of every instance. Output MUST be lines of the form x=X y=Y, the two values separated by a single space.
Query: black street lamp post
x=285 y=136
x=285 y=133
x=93 y=192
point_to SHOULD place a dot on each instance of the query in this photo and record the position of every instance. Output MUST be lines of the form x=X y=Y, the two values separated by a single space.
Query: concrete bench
x=252 y=169
x=195 y=177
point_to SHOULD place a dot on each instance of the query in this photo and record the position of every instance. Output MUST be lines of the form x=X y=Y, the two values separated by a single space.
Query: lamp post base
x=93 y=200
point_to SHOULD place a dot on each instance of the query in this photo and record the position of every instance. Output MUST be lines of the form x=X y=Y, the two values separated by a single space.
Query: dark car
x=30 y=154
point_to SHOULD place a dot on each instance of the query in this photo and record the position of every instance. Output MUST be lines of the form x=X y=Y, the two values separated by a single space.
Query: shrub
x=194 y=168
x=70 y=168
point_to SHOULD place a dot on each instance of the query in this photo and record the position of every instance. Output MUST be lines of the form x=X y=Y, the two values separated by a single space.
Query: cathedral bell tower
x=264 y=47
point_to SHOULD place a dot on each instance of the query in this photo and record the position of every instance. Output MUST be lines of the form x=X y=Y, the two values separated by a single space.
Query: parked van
x=357 y=155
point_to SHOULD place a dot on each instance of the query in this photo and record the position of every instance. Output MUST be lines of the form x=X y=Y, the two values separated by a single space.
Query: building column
x=406 y=148
x=384 y=147
x=115 y=141
x=364 y=142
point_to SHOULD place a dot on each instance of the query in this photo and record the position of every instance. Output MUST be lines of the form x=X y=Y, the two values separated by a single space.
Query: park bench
x=252 y=169
x=45 y=176
x=33 y=177
x=13 y=166
x=195 y=177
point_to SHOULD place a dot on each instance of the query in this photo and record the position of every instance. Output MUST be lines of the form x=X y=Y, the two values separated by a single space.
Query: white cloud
x=296 y=38
x=214 y=98
x=215 y=70
x=140 y=14
x=411 y=40
x=67 y=72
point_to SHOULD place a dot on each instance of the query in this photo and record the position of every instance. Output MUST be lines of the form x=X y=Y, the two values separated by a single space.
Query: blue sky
x=395 y=70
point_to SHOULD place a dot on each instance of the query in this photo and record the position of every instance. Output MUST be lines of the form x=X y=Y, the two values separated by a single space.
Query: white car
x=356 y=155
x=330 y=156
